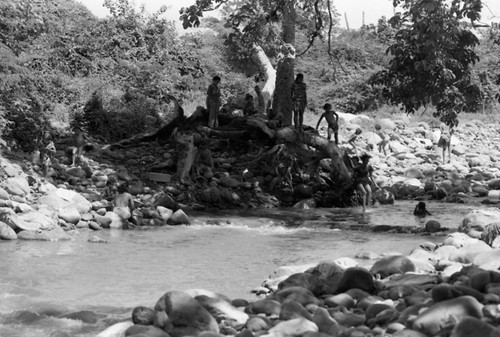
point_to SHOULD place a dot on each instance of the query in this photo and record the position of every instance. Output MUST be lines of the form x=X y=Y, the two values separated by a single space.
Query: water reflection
x=229 y=252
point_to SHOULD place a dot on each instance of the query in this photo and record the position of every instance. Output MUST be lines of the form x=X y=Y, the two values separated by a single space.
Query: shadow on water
x=382 y=218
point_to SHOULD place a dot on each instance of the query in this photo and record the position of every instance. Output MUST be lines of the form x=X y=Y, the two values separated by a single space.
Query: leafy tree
x=258 y=23
x=432 y=57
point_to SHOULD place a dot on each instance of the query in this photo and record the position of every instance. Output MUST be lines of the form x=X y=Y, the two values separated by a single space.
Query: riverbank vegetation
x=129 y=73
x=58 y=58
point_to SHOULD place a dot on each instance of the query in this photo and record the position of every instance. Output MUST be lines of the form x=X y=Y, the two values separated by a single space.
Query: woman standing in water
x=363 y=178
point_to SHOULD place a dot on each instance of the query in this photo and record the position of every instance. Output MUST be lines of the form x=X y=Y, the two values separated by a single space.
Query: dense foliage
x=432 y=57
x=56 y=57
x=116 y=76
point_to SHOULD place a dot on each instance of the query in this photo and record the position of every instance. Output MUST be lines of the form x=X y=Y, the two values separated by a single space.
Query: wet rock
x=9 y=217
x=344 y=300
x=6 y=232
x=69 y=214
x=56 y=234
x=180 y=315
x=302 y=295
x=268 y=307
x=179 y=218
x=85 y=316
x=432 y=226
x=356 y=277
x=468 y=252
x=325 y=322
x=472 y=327
x=117 y=329
x=443 y=292
x=440 y=315
x=293 y=309
x=143 y=315
x=258 y=323
x=96 y=239
x=293 y=327
x=479 y=219
x=305 y=280
x=17 y=186
x=145 y=331
x=222 y=309
x=390 y=265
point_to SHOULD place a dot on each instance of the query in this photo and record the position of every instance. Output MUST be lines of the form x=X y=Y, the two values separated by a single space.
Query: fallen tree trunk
x=327 y=148
x=270 y=77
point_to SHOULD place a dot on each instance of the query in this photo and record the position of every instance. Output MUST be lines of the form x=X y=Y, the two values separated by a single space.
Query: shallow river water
x=226 y=252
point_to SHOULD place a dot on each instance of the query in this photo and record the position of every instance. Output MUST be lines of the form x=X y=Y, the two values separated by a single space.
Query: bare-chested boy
x=332 y=118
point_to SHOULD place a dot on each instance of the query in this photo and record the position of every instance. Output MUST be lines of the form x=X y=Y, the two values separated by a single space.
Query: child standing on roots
x=299 y=99
x=385 y=139
x=214 y=102
x=445 y=140
x=332 y=118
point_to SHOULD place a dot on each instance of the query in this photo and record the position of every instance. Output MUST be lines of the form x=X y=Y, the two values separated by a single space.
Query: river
x=230 y=252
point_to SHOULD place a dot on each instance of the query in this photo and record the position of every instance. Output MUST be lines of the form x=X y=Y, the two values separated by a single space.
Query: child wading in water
x=332 y=118
x=363 y=179
x=299 y=99
x=124 y=202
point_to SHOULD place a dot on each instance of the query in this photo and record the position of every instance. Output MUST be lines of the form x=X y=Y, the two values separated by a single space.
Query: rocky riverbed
x=34 y=207
x=447 y=289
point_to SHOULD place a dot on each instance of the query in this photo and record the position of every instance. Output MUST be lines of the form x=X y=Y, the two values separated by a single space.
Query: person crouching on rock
x=363 y=178
x=124 y=202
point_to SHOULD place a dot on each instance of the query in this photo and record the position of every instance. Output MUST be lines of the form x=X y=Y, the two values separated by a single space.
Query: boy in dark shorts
x=299 y=99
x=332 y=118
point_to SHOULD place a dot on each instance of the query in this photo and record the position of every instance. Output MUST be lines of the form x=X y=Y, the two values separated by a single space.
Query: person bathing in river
x=421 y=210
x=123 y=202
x=332 y=118
x=363 y=179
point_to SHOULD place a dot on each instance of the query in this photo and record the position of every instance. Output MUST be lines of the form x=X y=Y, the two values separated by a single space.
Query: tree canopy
x=432 y=57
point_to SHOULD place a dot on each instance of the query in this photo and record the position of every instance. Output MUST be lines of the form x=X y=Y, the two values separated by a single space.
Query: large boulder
x=478 y=219
x=179 y=218
x=17 y=186
x=357 y=277
x=9 y=217
x=394 y=264
x=293 y=327
x=6 y=232
x=70 y=214
x=440 y=315
x=61 y=198
x=222 y=309
x=179 y=314
x=55 y=234
x=305 y=280
x=468 y=252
